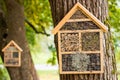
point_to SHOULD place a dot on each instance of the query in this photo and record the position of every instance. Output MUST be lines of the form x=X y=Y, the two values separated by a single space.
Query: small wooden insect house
x=80 y=42
x=12 y=55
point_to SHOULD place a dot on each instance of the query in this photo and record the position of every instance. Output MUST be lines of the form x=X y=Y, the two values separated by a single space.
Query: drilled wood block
x=81 y=62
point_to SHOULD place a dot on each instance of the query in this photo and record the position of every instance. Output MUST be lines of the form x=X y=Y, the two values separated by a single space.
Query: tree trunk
x=13 y=29
x=98 y=8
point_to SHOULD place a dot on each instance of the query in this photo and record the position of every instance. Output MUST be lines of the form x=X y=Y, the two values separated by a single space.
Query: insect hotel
x=80 y=42
x=12 y=55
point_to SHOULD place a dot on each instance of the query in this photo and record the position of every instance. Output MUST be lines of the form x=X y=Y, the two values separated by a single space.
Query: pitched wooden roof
x=12 y=42
x=78 y=6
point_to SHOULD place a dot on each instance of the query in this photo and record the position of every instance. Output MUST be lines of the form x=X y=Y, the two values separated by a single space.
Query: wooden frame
x=80 y=50
x=90 y=16
x=67 y=50
x=12 y=57
x=78 y=20
x=17 y=59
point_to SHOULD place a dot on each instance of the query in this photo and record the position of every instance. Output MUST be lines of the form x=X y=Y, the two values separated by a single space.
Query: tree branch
x=36 y=31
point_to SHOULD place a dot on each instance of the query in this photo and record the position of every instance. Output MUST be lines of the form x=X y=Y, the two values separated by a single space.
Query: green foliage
x=52 y=60
x=3 y=72
x=114 y=20
x=38 y=13
x=114 y=17
x=30 y=35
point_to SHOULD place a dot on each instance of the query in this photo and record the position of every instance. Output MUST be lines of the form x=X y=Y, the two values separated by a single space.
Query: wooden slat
x=19 y=58
x=84 y=72
x=91 y=30
x=78 y=20
x=60 y=55
x=88 y=30
x=90 y=52
x=80 y=46
x=101 y=50
x=59 y=42
x=10 y=65
x=72 y=52
x=85 y=52
x=60 y=63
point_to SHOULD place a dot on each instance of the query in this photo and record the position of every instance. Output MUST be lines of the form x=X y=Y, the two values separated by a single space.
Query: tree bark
x=98 y=8
x=14 y=30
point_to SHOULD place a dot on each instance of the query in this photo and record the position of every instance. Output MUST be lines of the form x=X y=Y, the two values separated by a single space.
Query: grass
x=118 y=77
x=45 y=74
x=48 y=74
x=42 y=56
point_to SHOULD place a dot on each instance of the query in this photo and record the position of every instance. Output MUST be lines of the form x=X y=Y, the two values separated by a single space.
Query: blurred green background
x=41 y=40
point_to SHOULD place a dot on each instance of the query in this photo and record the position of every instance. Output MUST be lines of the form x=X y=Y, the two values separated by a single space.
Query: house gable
x=90 y=17
x=12 y=43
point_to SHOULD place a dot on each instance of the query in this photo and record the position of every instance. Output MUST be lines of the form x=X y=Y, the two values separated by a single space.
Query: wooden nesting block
x=70 y=26
x=90 y=41
x=79 y=26
x=7 y=55
x=12 y=61
x=78 y=15
x=66 y=62
x=86 y=25
x=95 y=64
x=75 y=62
x=69 y=42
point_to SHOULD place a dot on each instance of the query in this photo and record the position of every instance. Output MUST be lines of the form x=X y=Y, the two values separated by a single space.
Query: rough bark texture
x=13 y=29
x=98 y=8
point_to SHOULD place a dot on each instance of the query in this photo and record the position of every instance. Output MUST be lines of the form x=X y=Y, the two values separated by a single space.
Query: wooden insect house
x=12 y=55
x=80 y=42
